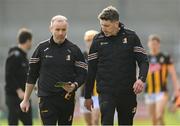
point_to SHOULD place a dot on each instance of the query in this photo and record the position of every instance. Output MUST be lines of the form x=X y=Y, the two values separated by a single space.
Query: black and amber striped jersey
x=158 y=73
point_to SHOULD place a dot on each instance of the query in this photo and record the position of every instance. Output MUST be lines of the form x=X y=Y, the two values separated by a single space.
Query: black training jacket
x=15 y=71
x=52 y=63
x=112 y=62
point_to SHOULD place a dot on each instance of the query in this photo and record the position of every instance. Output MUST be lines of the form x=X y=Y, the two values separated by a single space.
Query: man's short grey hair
x=109 y=13
x=59 y=18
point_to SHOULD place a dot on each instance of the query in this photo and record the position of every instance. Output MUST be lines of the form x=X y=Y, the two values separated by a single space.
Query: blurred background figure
x=156 y=90
x=15 y=76
x=91 y=118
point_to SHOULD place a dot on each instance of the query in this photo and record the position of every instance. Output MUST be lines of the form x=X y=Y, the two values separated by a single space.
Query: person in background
x=156 y=92
x=16 y=69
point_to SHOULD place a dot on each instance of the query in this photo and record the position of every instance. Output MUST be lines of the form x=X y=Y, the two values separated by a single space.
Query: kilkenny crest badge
x=68 y=57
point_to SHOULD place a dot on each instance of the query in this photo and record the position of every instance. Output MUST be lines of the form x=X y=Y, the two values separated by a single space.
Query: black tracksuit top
x=52 y=63
x=112 y=62
x=15 y=70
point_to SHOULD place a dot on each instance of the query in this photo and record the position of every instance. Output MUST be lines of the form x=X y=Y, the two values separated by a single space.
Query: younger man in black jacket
x=112 y=62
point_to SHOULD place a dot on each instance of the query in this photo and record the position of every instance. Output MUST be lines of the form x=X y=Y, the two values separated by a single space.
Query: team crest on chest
x=68 y=57
x=161 y=60
x=125 y=41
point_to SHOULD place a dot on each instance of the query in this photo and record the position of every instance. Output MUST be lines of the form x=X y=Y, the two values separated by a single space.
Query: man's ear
x=117 y=23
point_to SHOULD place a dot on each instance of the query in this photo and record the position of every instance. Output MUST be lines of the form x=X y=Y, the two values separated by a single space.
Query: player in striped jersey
x=156 y=89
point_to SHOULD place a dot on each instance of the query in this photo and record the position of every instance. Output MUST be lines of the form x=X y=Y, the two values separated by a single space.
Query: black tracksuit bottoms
x=124 y=104
x=14 y=111
x=56 y=110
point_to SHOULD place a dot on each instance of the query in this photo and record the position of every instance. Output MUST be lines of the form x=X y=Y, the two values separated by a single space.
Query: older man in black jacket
x=60 y=68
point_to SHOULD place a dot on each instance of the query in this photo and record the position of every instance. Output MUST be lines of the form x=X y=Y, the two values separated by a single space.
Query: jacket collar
x=51 y=42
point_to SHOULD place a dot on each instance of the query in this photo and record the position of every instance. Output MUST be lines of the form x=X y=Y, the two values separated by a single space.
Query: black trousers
x=14 y=112
x=56 y=109
x=124 y=104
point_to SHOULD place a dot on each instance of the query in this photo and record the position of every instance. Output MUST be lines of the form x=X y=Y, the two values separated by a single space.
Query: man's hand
x=69 y=87
x=89 y=104
x=138 y=86
x=25 y=106
x=20 y=93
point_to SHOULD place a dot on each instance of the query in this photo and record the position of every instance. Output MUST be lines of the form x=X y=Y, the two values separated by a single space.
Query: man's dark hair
x=154 y=37
x=109 y=13
x=24 y=35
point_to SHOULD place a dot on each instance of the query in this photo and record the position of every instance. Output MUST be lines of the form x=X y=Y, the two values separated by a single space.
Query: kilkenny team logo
x=68 y=57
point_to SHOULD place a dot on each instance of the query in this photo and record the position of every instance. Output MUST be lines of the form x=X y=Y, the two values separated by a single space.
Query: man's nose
x=104 y=29
x=60 y=32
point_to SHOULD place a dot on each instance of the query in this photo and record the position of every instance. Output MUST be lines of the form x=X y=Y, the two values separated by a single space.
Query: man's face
x=59 y=30
x=154 y=45
x=109 y=27
x=28 y=44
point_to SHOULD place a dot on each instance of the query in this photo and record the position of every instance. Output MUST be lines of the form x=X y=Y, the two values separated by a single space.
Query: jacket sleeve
x=92 y=69
x=34 y=66
x=80 y=68
x=12 y=66
x=141 y=58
